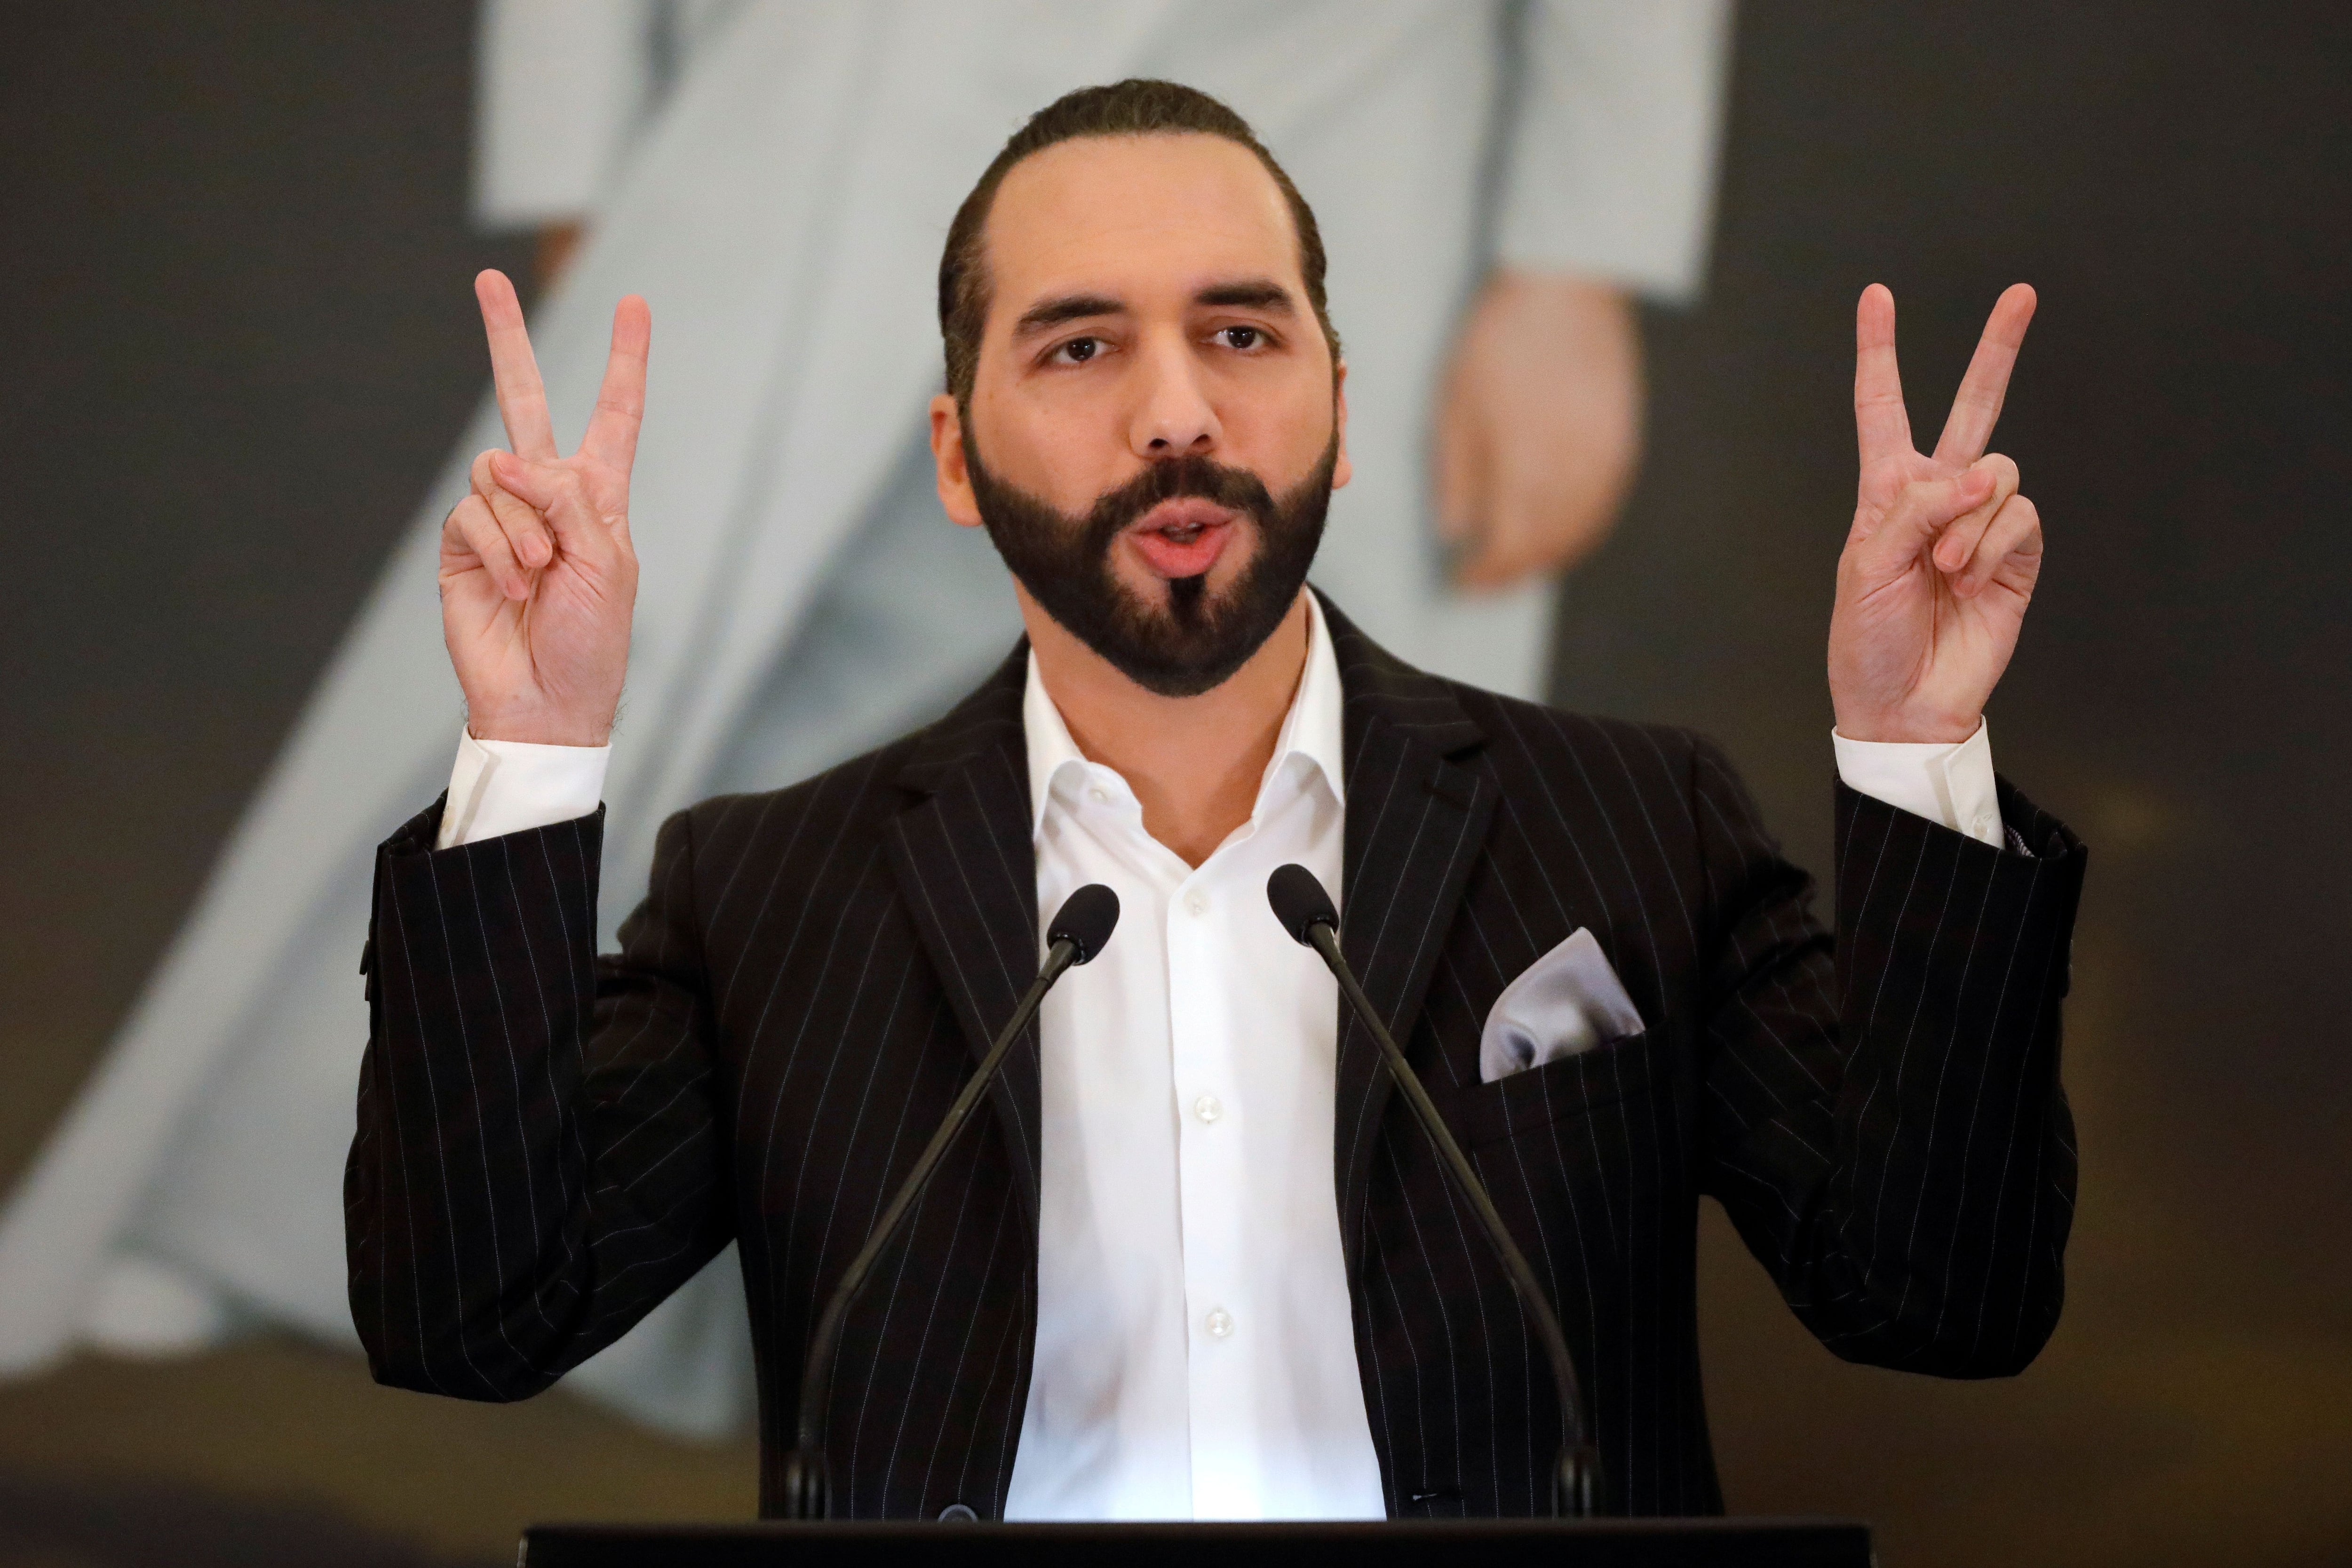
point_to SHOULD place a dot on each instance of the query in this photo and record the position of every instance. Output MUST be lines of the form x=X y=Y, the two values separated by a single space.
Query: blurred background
x=234 y=242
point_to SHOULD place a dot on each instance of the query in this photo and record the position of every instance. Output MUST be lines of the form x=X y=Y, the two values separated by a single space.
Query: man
x=1503 y=178
x=1196 y=1262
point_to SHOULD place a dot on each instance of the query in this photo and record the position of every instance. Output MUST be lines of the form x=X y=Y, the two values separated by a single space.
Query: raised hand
x=1944 y=552
x=538 y=578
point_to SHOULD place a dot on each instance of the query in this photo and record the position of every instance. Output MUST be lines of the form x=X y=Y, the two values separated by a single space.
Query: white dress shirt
x=1196 y=1357
x=1195 y=1353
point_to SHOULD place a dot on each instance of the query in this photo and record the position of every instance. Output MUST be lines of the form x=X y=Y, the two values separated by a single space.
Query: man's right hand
x=538 y=578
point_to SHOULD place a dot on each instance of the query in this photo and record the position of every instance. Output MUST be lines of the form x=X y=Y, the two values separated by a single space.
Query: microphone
x=1080 y=928
x=1306 y=912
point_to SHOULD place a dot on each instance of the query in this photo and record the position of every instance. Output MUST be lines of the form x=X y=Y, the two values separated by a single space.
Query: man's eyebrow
x=1250 y=293
x=1047 y=314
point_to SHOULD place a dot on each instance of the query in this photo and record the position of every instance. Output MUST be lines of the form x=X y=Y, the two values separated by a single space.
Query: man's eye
x=1241 y=337
x=1078 y=350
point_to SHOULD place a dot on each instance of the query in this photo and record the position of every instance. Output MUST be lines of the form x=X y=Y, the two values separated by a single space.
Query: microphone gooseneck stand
x=1306 y=913
x=1080 y=928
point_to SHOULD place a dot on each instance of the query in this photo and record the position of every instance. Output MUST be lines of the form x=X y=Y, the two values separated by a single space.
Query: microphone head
x=1299 y=901
x=1085 y=921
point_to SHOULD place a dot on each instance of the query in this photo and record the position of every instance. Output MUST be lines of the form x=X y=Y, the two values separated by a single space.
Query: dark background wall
x=238 y=339
x=2177 y=181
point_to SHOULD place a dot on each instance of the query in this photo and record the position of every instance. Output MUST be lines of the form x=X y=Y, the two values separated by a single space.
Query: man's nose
x=1173 y=415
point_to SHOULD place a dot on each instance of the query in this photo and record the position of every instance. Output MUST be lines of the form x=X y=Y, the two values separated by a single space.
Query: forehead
x=1129 y=213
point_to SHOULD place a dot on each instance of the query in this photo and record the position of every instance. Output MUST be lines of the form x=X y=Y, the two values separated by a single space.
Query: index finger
x=1976 y=408
x=522 y=401
x=1881 y=426
x=621 y=403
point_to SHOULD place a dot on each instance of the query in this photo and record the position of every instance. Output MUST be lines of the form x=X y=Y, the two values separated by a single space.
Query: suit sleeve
x=1885 y=1126
x=539 y=1159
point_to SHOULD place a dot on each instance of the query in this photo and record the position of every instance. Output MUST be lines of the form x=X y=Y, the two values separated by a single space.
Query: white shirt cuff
x=511 y=786
x=1951 y=785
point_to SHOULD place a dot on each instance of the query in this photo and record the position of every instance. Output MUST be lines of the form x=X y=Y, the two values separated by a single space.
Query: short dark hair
x=1138 y=106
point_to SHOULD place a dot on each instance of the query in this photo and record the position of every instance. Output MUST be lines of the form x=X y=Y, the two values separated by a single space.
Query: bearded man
x=1505 y=177
x=1194 y=1261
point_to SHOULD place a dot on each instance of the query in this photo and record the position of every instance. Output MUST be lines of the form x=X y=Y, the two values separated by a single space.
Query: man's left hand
x=1944 y=552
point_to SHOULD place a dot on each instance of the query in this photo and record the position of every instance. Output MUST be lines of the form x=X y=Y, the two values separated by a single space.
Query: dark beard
x=1197 y=639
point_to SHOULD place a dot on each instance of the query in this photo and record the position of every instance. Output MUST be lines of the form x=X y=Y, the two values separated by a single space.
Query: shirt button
x=1099 y=796
x=1208 y=1108
x=1219 y=1322
x=1197 y=902
x=1984 y=823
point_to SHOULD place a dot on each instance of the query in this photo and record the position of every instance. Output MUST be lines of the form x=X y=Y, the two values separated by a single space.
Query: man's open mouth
x=1182 y=537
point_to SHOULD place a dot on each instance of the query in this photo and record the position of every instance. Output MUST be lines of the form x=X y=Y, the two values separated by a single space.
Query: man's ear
x=1341 y=469
x=948 y=461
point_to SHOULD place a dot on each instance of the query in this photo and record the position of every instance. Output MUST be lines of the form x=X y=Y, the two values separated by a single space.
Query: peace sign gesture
x=538 y=578
x=1944 y=552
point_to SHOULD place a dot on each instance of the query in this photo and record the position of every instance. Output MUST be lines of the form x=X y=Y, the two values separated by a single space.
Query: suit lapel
x=966 y=867
x=1417 y=822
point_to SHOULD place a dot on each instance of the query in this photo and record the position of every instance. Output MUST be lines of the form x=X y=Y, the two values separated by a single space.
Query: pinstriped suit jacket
x=550 y=1141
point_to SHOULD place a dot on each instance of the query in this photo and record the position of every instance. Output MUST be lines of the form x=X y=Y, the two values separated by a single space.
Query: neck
x=1194 y=763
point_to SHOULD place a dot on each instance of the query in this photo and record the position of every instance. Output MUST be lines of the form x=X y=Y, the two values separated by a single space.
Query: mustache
x=1194 y=639
x=1194 y=477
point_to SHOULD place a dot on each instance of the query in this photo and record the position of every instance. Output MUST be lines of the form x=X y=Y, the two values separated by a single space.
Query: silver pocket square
x=1568 y=1000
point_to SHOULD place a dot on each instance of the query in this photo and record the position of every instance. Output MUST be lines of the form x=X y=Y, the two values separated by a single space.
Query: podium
x=1416 y=1543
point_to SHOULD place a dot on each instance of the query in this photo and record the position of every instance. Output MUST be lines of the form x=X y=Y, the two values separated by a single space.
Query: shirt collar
x=1311 y=730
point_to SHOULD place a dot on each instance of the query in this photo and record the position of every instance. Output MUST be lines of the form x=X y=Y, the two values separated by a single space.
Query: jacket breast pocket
x=1570 y=1086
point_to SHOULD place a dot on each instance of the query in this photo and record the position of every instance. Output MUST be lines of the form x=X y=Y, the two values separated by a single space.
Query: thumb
x=554 y=492
x=1922 y=510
